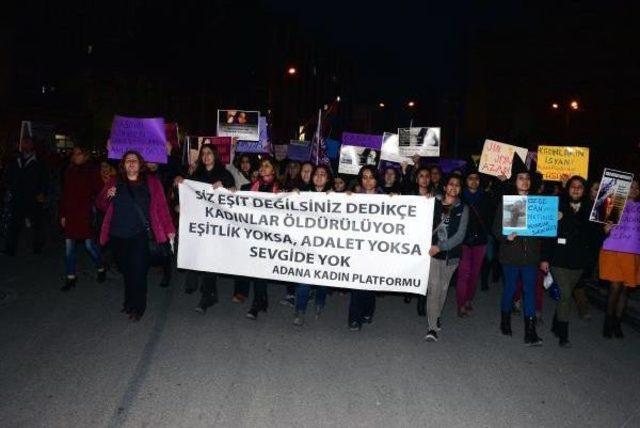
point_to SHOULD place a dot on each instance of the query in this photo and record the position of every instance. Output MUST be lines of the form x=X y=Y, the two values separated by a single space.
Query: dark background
x=478 y=69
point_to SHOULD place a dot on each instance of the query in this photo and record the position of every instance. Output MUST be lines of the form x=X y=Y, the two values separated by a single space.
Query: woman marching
x=80 y=187
x=265 y=183
x=520 y=257
x=450 y=217
x=363 y=302
x=208 y=170
x=622 y=270
x=568 y=255
x=135 y=212
x=320 y=182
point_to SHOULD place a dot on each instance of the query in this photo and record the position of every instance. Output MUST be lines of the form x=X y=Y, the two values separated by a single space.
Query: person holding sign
x=450 y=217
x=520 y=256
x=622 y=270
x=136 y=211
x=321 y=181
x=208 y=169
x=265 y=183
x=568 y=254
x=363 y=302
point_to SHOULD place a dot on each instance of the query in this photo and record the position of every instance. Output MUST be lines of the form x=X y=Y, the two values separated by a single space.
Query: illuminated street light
x=381 y=105
x=574 y=105
x=411 y=104
x=338 y=98
x=555 y=106
x=292 y=71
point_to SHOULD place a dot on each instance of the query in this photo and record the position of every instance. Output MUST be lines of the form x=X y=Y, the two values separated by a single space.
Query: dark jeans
x=132 y=256
x=242 y=285
x=362 y=304
x=36 y=217
x=208 y=287
x=260 y=291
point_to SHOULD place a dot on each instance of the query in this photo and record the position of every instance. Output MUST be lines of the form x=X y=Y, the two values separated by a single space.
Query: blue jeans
x=70 y=258
x=528 y=273
x=302 y=297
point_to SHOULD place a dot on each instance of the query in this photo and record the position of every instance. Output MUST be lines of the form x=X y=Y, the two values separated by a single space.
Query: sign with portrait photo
x=419 y=140
x=352 y=158
x=241 y=124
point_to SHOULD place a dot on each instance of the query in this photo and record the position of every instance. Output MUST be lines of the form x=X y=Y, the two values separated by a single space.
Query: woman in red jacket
x=135 y=211
x=80 y=187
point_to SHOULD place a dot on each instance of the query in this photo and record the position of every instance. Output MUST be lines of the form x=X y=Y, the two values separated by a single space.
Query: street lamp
x=555 y=106
x=411 y=104
x=338 y=98
x=291 y=71
x=574 y=105
x=381 y=105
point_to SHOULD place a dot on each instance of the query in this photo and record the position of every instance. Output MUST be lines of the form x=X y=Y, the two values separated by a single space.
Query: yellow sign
x=559 y=163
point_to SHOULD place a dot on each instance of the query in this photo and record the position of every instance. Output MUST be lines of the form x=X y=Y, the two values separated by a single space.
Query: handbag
x=158 y=253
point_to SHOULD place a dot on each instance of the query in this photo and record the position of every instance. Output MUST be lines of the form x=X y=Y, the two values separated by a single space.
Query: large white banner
x=367 y=242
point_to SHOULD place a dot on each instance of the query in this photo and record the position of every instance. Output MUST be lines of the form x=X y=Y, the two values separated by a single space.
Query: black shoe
x=69 y=284
x=367 y=319
x=355 y=326
x=531 y=338
x=421 y=307
x=102 y=276
x=617 y=329
x=432 y=336
x=256 y=307
x=407 y=299
x=554 y=325
x=505 y=324
x=607 y=328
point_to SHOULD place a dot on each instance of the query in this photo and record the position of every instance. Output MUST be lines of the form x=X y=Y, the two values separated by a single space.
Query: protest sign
x=299 y=150
x=496 y=158
x=362 y=140
x=147 y=136
x=530 y=215
x=240 y=124
x=391 y=150
x=612 y=196
x=420 y=140
x=280 y=151
x=171 y=135
x=365 y=242
x=263 y=145
x=353 y=158
x=449 y=165
x=625 y=237
x=559 y=163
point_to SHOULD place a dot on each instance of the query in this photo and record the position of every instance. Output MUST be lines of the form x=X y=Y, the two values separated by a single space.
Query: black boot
x=256 y=307
x=531 y=338
x=422 y=302
x=505 y=324
x=554 y=325
x=69 y=284
x=607 y=327
x=562 y=330
x=616 y=328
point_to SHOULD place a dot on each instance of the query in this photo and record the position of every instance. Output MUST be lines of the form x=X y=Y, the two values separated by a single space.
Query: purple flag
x=146 y=136
x=625 y=237
x=362 y=140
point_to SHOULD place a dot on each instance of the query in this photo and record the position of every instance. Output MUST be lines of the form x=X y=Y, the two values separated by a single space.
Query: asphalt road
x=72 y=359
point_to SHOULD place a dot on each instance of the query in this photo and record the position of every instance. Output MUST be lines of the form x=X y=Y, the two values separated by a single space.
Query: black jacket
x=449 y=230
x=26 y=178
x=480 y=219
x=578 y=238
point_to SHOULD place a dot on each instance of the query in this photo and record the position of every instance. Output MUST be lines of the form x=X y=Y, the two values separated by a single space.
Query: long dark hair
x=564 y=193
x=374 y=173
x=329 y=184
x=122 y=171
x=200 y=167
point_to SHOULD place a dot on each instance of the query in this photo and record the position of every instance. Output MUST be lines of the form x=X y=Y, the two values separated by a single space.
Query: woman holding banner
x=363 y=302
x=568 y=255
x=265 y=183
x=208 y=169
x=622 y=270
x=519 y=256
x=135 y=212
x=450 y=217
x=321 y=181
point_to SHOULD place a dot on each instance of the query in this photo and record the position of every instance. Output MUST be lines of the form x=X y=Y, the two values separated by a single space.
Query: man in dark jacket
x=27 y=184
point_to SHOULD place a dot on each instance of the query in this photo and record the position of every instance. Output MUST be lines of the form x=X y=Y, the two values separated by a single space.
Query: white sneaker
x=432 y=336
x=298 y=320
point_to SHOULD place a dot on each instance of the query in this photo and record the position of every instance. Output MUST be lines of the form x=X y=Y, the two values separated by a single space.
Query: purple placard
x=299 y=151
x=625 y=237
x=362 y=140
x=146 y=136
x=261 y=146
